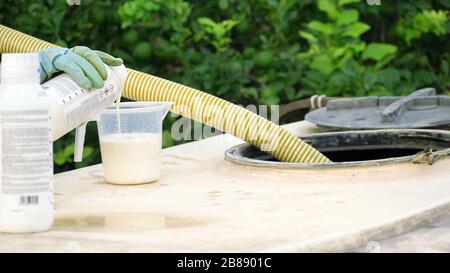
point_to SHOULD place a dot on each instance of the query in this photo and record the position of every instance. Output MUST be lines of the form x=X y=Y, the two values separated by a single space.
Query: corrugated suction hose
x=194 y=104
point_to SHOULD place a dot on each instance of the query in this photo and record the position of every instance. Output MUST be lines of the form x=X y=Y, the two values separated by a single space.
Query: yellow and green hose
x=194 y=104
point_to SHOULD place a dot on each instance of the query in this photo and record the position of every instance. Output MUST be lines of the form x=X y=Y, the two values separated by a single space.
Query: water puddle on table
x=124 y=221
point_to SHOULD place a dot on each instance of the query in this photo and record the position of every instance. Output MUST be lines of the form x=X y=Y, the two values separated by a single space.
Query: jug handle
x=80 y=133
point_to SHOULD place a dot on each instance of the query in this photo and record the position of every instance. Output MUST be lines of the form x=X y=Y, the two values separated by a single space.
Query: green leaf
x=87 y=152
x=167 y=139
x=357 y=29
x=445 y=67
x=249 y=92
x=359 y=47
x=340 y=79
x=352 y=69
x=269 y=96
x=223 y=4
x=323 y=64
x=59 y=158
x=68 y=151
x=329 y=8
x=304 y=55
x=424 y=76
x=338 y=52
x=389 y=77
x=369 y=79
x=206 y=21
x=229 y=24
x=290 y=93
x=346 y=2
x=263 y=58
x=431 y=21
x=324 y=28
x=218 y=30
x=348 y=17
x=378 y=51
x=308 y=36
x=411 y=34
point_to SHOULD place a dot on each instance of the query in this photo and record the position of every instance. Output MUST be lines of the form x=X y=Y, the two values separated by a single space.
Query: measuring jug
x=130 y=141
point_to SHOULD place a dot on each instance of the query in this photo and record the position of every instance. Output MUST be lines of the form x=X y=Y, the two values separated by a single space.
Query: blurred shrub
x=255 y=51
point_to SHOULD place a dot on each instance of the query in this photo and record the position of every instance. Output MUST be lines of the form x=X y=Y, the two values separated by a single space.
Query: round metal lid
x=421 y=109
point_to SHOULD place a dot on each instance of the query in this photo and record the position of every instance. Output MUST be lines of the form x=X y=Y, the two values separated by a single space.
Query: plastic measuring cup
x=130 y=141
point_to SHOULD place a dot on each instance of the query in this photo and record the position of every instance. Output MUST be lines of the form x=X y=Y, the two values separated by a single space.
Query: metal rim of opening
x=407 y=138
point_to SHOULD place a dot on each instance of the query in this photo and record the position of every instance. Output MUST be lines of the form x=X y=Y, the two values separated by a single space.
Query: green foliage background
x=254 y=51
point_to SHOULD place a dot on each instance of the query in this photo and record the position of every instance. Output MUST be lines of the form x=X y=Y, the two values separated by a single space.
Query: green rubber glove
x=83 y=65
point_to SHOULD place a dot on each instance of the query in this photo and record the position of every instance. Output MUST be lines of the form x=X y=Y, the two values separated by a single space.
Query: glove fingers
x=92 y=57
x=88 y=69
x=108 y=59
x=65 y=64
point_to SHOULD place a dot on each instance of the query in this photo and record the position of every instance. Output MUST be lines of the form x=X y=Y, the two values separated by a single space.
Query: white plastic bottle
x=71 y=105
x=26 y=165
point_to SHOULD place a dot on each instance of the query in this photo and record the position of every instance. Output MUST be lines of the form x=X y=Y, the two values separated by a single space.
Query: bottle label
x=80 y=104
x=86 y=107
x=63 y=90
x=26 y=166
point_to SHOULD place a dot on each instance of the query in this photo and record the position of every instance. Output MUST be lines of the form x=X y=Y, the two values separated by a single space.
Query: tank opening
x=353 y=148
x=364 y=155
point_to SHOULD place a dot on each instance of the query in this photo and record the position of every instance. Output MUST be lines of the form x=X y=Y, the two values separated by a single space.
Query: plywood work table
x=205 y=203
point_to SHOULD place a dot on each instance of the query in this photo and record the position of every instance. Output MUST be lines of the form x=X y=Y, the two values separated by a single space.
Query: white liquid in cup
x=131 y=158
